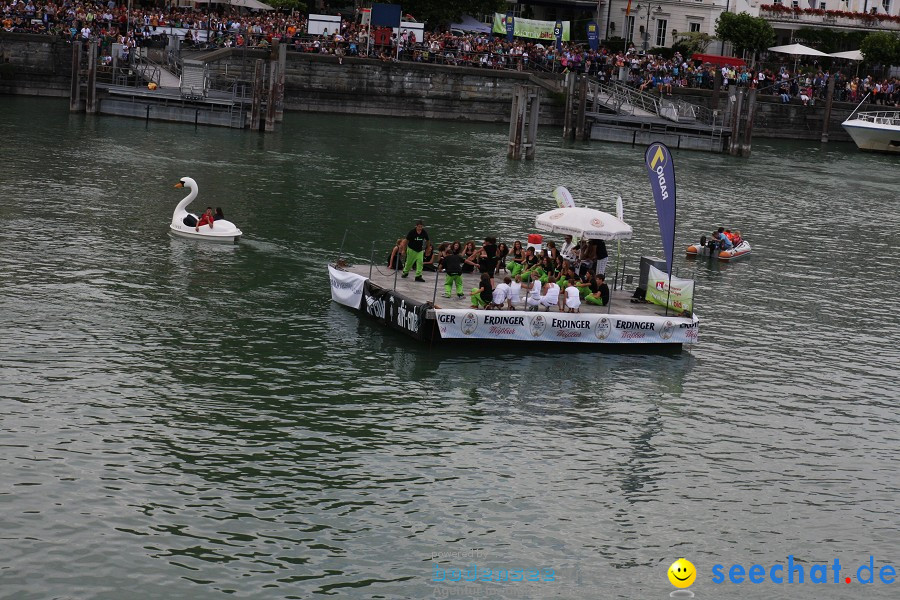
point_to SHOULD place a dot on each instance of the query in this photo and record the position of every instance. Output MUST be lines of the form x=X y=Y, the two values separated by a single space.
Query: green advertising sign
x=681 y=295
x=531 y=28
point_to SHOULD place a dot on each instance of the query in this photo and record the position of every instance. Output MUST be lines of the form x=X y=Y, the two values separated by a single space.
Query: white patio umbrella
x=849 y=55
x=585 y=223
x=797 y=50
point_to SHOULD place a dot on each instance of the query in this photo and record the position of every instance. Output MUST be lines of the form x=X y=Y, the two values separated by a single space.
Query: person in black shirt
x=601 y=296
x=415 y=247
x=452 y=264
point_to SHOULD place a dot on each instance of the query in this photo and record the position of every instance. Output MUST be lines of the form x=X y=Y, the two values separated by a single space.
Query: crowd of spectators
x=111 y=22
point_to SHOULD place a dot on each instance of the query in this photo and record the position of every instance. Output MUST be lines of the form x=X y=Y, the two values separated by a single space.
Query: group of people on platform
x=534 y=276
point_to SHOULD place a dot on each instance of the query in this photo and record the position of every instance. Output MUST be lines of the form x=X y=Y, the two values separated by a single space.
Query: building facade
x=657 y=23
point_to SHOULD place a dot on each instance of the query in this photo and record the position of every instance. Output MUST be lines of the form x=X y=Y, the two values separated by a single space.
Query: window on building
x=695 y=27
x=629 y=29
x=795 y=3
x=822 y=5
x=886 y=5
x=661 y=25
x=778 y=2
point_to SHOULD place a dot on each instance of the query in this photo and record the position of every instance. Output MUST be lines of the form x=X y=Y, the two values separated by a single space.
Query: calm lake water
x=184 y=420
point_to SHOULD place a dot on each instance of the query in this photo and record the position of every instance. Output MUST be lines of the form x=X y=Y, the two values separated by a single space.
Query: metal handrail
x=882 y=117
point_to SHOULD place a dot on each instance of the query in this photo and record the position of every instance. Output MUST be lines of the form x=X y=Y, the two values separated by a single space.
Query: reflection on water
x=186 y=419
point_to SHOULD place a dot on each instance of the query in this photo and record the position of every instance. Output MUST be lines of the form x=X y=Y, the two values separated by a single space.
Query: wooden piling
x=748 y=128
x=75 y=90
x=533 y=117
x=91 y=104
x=513 y=122
x=738 y=103
x=279 y=95
x=270 y=96
x=829 y=99
x=570 y=98
x=582 y=107
x=256 y=102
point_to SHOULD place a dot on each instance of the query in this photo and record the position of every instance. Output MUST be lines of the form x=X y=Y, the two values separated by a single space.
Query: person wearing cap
x=415 y=248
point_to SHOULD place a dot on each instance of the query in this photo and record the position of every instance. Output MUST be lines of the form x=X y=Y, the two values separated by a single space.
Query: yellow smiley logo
x=682 y=573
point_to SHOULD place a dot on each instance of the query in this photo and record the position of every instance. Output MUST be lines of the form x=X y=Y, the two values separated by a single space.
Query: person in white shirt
x=502 y=294
x=551 y=294
x=515 y=291
x=534 y=296
x=568 y=250
x=573 y=299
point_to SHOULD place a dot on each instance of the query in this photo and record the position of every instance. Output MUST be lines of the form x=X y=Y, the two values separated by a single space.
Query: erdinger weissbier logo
x=537 y=325
x=667 y=330
x=469 y=323
x=603 y=328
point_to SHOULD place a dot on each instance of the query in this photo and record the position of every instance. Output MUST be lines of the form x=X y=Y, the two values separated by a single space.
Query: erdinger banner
x=346 y=288
x=661 y=172
x=396 y=310
x=680 y=294
x=584 y=328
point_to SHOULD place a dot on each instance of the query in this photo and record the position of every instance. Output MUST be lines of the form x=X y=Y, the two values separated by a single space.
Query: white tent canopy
x=584 y=223
x=849 y=55
x=797 y=50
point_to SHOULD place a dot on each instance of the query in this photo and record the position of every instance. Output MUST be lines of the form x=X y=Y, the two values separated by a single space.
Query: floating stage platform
x=415 y=309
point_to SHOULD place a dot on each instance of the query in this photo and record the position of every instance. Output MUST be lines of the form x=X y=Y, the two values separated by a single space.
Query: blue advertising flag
x=593 y=33
x=661 y=172
x=558 y=32
x=386 y=15
x=510 y=26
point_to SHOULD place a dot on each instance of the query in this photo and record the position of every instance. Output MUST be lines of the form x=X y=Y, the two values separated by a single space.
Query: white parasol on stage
x=849 y=55
x=585 y=223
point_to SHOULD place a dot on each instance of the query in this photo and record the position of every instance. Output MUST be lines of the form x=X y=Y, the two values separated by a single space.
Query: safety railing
x=884 y=117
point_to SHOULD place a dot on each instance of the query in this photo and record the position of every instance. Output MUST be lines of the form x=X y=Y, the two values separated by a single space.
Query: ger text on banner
x=661 y=172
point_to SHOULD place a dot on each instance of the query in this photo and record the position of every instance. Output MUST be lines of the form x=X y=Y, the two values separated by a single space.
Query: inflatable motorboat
x=184 y=224
x=712 y=249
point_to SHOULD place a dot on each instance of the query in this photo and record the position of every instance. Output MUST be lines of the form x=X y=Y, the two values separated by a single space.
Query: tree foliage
x=829 y=40
x=692 y=42
x=881 y=48
x=745 y=32
x=437 y=13
x=287 y=5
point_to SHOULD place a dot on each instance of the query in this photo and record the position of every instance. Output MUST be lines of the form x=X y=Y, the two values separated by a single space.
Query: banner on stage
x=587 y=328
x=680 y=295
x=346 y=288
x=396 y=311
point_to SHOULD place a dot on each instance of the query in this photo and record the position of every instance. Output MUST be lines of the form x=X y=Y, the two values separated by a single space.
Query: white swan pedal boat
x=710 y=249
x=220 y=231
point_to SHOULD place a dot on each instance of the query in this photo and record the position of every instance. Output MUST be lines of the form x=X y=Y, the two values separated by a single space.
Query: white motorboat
x=184 y=224
x=875 y=131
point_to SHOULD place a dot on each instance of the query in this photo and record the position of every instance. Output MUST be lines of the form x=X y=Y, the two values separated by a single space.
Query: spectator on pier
x=550 y=296
x=428 y=258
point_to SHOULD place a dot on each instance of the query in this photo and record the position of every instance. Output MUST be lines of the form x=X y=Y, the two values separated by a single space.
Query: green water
x=184 y=420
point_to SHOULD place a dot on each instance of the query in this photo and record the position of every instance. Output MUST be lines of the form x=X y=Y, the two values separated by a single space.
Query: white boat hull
x=228 y=236
x=874 y=137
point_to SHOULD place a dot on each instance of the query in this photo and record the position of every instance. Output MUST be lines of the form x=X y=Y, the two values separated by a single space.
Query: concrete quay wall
x=40 y=65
